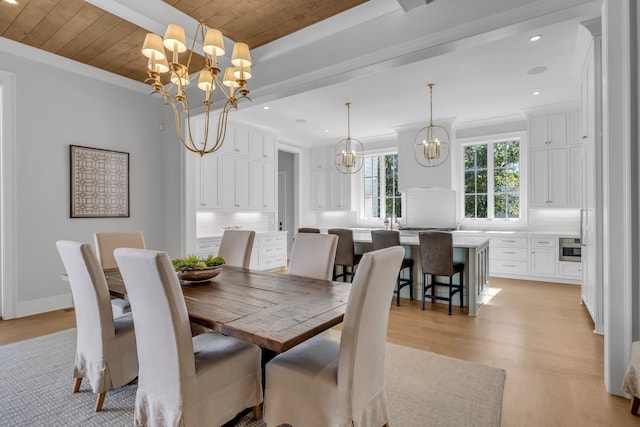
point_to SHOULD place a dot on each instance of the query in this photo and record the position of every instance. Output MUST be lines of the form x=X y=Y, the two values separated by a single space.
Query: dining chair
x=384 y=239
x=105 y=244
x=308 y=230
x=106 y=347
x=436 y=253
x=346 y=258
x=313 y=255
x=183 y=381
x=236 y=247
x=323 y=382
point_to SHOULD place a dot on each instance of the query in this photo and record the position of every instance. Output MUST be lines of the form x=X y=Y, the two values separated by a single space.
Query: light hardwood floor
x=538 y=332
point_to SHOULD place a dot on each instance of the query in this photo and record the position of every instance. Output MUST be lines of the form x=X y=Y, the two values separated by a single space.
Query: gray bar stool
x=436 y=253
x=308 y=230
x=345 y=255
x=381 y=239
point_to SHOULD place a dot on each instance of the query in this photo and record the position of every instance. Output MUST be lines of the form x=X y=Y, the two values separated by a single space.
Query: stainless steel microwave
x=570 y=249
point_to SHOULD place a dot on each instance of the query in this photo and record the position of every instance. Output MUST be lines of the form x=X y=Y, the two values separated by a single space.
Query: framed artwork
x=99 y=183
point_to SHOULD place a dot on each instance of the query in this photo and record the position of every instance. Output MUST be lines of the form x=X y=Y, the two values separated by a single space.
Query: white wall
x=56 y=108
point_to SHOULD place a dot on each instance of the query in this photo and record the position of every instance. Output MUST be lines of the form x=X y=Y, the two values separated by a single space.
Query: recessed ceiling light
x=537 y=70
x=11 y=1
x=326 y=130
x=535 y=38
x=536 y=92
x=265 y=108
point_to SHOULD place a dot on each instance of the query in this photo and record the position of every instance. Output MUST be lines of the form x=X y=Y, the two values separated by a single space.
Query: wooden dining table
x=273 y=310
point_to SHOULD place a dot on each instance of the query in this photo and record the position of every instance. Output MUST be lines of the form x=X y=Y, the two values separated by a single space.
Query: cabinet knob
x=584 y=137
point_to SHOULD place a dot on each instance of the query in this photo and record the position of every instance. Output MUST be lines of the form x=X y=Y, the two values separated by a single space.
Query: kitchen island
x=473 y=251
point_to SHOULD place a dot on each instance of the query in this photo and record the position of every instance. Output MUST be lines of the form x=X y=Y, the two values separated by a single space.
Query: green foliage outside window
x=504 y=165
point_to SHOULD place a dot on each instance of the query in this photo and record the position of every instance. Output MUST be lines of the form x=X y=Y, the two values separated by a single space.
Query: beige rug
x=424 y=389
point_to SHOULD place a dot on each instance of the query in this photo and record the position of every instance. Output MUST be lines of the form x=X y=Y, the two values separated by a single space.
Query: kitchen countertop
x=215 y=236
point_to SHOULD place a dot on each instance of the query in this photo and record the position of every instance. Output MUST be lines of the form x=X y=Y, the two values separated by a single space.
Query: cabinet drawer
x=273 y=262
x=505 y=266
x=270 y=240
x=271 y=250
x=543 y=242
x=571 y=269
x=208 y=247
x=509 y=241
x=514 y=253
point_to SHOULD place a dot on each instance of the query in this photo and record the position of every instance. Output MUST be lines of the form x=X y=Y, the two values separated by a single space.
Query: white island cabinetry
x=269 y=249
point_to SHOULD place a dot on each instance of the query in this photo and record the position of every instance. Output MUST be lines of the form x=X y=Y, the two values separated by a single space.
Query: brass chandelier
x=431 y=143
x=175 y=94
x=349 y=152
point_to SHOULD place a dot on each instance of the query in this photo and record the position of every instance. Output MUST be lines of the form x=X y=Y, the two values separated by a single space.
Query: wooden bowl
x=199 y=275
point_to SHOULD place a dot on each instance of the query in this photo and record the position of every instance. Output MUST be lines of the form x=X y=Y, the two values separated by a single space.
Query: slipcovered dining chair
x=236 y=247
x=183 y=381
x=384 y=239
x=105 y=244
x=106 y=347
x=345 y=254
x=323 y=382
x=436 y=253
x=313 y=255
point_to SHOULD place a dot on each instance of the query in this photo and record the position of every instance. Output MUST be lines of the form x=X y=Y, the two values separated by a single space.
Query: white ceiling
x=480 y=79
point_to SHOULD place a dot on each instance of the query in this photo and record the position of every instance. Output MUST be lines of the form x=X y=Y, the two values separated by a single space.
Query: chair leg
x=424 y=289
x=461 y=289
x=450 y=293
x=100 y=401
x=398 y=291
x=411 y=283
x=257 y=412
x=76 y=385
x=635 y=404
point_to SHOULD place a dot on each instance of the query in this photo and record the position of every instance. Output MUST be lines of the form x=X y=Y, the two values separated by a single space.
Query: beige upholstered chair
x=105 y=244
x=106 y=348
x=322 y=382
x=183 y=381
x=236 y=247
x=313 y=255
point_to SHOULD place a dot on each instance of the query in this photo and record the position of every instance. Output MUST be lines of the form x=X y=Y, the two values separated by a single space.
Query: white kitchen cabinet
x=263 y=194
x=543 y=256
x=208 y=178
x=508 y=255
x=237 y=141
x=269 y=251
x=235 y=180
x=330 y=189
x=208 y=246
x=575 y=176
x=548 y=131
x=575 y=128
x=549 y=177
x=263 y=147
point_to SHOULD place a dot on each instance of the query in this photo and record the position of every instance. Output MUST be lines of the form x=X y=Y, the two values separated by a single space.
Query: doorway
x=286 y=195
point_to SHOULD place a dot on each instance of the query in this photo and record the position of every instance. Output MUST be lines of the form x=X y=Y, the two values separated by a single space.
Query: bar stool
x=345 y=255
x=381 y=239
x=308 y=230
x=436 y=253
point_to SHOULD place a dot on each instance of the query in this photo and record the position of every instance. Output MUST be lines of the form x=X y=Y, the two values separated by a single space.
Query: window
x=492 y=180
x=381 y=195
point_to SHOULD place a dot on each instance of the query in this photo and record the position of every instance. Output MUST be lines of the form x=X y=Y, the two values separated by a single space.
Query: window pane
x=513 y=205
x=481 y=154
x=500 y=206
x=482 y=181
x=470 y=206
x=469 y=182
x=482 y=206
x=470 y=157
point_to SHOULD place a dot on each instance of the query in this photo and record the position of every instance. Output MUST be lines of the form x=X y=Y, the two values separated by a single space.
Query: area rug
x=424 y=389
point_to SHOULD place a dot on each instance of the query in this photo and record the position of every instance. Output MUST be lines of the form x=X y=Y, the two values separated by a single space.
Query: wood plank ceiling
x=80 y=31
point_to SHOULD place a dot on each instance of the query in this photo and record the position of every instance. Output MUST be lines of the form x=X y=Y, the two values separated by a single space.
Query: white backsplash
x=213 y=223
x=554 y=220
x=430 y=207
x=336 y=219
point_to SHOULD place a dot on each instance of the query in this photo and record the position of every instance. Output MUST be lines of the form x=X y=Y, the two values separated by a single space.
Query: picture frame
x=99 y=183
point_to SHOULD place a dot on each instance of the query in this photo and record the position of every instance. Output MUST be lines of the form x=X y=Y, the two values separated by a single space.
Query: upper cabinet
x=240 y=176
x=330 y=189
x=554 y=160
x=548 y=131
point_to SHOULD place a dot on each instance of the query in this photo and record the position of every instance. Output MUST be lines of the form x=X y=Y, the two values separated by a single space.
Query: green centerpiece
x=193 y=268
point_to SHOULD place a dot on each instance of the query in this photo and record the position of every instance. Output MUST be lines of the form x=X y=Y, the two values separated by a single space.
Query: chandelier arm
x=176 y=114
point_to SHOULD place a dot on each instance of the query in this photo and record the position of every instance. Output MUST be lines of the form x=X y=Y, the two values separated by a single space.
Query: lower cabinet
x=269 y=250
x=531 y=257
